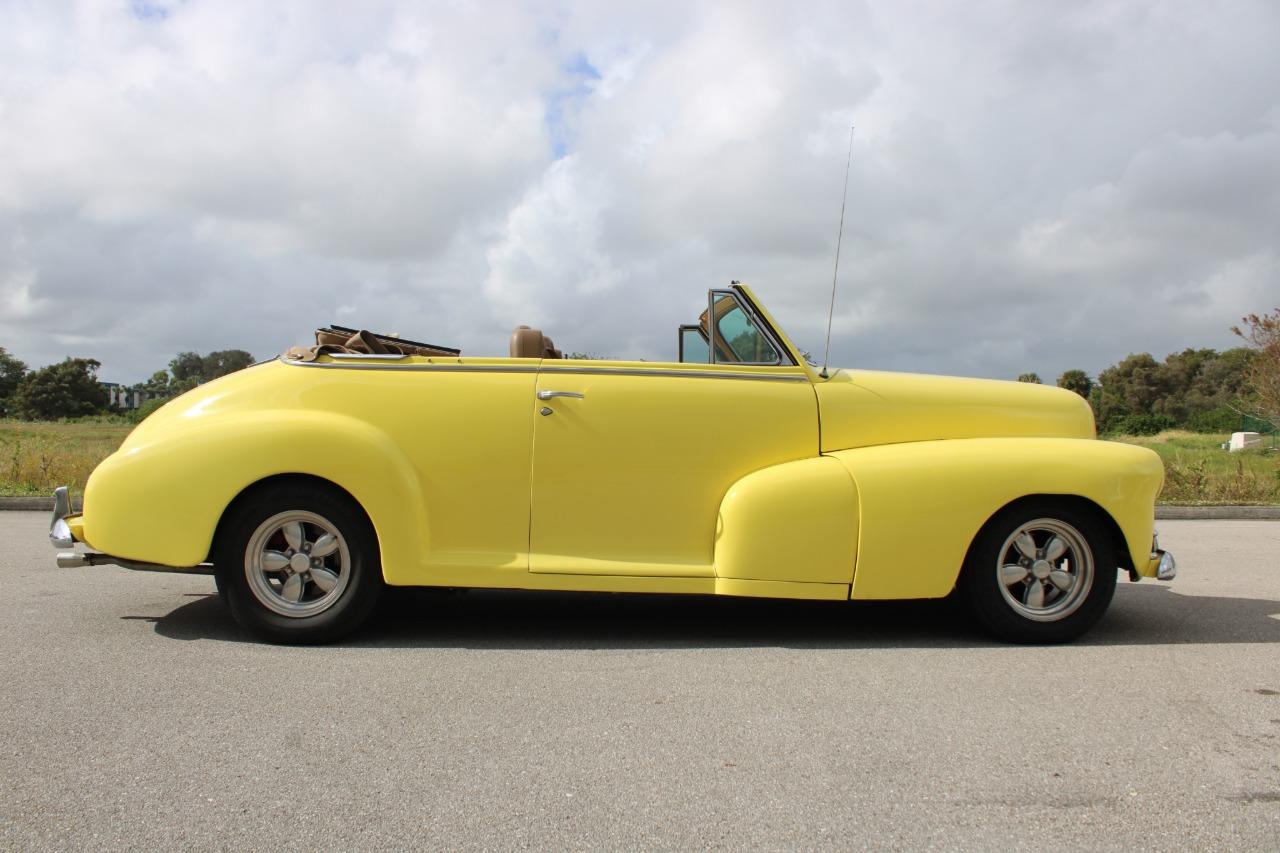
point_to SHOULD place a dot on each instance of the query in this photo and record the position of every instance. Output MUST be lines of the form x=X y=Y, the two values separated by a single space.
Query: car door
x=632 y=459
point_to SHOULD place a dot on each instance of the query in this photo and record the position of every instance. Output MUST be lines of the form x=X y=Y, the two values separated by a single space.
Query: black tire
x=1062 y=595
x=220 y=588
x=336 y=588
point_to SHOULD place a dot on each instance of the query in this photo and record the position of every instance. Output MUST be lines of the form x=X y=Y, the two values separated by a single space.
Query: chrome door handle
x=547 y=395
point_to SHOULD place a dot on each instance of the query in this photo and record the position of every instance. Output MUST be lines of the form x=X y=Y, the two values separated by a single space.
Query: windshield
x=741 y=334
x=735 y=329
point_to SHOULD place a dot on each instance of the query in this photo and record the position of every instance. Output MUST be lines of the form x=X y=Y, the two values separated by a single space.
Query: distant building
x=124 y=397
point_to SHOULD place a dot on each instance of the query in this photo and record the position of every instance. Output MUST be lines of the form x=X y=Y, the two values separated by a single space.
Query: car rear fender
x=161 y=501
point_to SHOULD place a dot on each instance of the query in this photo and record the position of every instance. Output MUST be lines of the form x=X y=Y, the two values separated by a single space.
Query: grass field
x=1198 y=471
x=35 y=458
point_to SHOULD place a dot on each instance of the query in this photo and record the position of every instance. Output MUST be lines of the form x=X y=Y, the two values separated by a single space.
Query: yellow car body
x=724 y=478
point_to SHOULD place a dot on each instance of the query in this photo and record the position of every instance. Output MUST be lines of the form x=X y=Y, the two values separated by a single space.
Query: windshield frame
x=742 y=299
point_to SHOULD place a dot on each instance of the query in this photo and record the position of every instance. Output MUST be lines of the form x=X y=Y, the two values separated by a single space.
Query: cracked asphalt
x=135 y=714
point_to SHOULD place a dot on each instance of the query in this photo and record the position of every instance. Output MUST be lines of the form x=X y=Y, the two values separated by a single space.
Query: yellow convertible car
x=306 y=484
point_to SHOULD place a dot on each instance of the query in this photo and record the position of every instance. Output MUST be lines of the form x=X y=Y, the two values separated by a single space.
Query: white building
x=123 y=397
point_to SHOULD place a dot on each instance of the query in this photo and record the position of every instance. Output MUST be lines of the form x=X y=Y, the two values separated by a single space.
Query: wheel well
x=276 y=480
x=1082 y=505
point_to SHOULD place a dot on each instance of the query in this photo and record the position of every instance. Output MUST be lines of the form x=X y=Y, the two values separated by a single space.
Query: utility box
x=1241 y=440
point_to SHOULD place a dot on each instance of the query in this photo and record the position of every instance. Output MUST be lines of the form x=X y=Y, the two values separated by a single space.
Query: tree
x=187 y=365
x=1033 y=378
x=1076 y=380
x=1179 y=374
x=65 y=390
x=11 y=373
x=1263 y=335
x=1212 y=401
x=1128 y=388
x=157 y=385
x=1197 y=389
x=190 y=369
x=225 y=361
x=1224 y=380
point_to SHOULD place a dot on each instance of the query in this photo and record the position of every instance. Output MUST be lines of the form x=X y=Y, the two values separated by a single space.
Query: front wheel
x=298 y=563
x=1040 y=573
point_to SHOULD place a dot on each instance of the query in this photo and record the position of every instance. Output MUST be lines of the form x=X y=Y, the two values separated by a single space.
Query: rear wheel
x=1040 y=572
x=298 y=563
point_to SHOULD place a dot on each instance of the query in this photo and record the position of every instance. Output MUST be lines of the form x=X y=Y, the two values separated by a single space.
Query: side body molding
x=796 y=522
x=922 y=503
x=214 y=461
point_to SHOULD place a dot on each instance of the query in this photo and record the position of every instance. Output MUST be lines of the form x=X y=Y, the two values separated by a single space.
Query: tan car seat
x=531 y=343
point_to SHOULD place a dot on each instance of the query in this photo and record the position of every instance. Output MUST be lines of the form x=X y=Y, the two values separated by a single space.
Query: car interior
x=737 y=340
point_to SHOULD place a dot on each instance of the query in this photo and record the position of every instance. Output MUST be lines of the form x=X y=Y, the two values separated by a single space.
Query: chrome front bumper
x=61 y=537
x=1166 y=568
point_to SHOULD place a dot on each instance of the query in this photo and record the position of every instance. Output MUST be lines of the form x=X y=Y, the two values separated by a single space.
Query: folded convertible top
x=343 y=339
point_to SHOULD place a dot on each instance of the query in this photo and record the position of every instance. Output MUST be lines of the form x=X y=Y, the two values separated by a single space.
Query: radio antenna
x=826 y=355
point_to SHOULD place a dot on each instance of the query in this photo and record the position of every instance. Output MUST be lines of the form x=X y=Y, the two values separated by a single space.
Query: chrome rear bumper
x=59 y=530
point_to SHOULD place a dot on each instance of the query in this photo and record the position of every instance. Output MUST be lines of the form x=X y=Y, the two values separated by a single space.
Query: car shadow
x=1142 y=614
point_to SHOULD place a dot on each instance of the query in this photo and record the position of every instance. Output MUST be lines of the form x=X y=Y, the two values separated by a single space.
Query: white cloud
x=551 y=235
x=1033 y=187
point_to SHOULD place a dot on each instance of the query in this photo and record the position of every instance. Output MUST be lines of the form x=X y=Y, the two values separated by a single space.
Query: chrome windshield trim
x=552 y=368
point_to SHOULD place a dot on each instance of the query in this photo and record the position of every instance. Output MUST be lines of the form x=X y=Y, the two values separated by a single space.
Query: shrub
x=1221 y=419
x=1141 y=424
x=148 y=408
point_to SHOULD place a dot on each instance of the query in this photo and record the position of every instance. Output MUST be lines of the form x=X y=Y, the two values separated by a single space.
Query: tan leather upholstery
x=526 y=343
x=531 y=343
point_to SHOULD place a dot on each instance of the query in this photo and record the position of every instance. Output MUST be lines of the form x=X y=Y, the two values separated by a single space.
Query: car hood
x=861 y=408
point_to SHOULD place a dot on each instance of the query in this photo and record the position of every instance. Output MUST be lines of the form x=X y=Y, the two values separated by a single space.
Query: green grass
x=1198 y=471
x=36 y=457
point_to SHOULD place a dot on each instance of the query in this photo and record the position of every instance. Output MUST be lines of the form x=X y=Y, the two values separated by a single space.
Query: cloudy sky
x=1035 y=185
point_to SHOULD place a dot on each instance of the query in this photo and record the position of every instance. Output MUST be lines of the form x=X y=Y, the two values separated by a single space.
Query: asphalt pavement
x=135 y=714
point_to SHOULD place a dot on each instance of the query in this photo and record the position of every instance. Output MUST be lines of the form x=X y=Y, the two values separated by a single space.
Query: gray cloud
x=1033 y=187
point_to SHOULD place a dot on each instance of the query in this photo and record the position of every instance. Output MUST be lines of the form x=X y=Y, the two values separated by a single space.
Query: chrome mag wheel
x=297 y=564
x=1045 y=570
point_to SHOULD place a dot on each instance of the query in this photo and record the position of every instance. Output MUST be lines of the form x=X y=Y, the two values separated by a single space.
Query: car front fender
x=923 y=503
